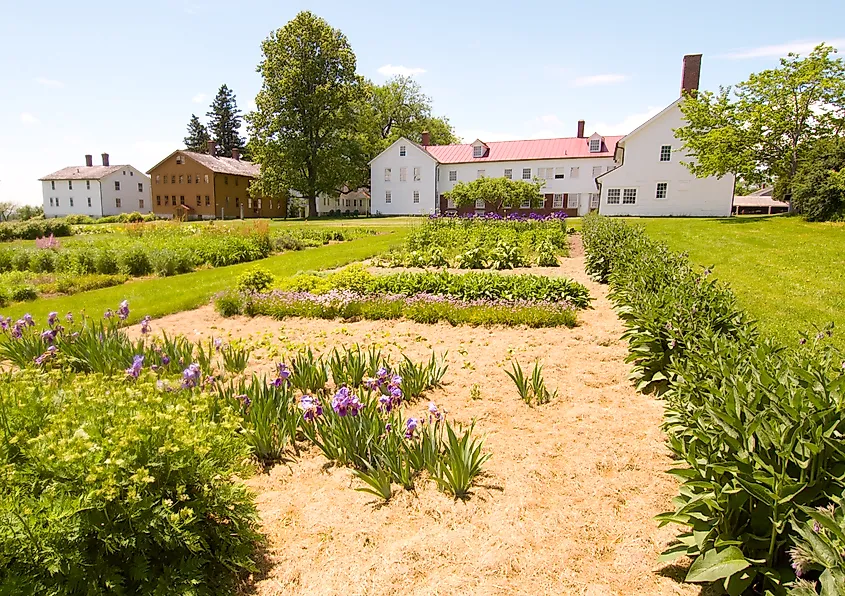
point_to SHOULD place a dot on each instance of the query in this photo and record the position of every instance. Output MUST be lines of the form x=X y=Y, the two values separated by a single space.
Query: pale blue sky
x=84 y=76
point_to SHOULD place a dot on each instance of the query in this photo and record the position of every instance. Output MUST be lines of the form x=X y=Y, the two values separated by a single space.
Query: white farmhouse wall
x=402 y=192
x=129 y=193
x=58 y=195
x=642 y=170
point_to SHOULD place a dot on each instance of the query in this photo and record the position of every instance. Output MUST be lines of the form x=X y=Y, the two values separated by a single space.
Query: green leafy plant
x=256 y=279
x=378 y=483
x=235 y=358
x=462 y=462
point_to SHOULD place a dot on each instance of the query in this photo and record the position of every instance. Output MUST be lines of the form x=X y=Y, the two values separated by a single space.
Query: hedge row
x=33 y=228
x=757 y=428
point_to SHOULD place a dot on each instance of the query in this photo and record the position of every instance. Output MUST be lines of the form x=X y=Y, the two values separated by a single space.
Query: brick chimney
x=212 y=147
x=105 y=157
x=426 y=138
x=236 y=154
x=691 y=74
x=89 y=160
x=581 y=129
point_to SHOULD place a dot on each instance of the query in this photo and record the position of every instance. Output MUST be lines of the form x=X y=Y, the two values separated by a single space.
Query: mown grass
x=162 y=296
x=787 y=273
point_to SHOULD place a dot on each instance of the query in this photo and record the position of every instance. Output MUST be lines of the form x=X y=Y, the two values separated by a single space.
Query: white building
x=411 y=179
x=349 y=202
x=650 y=179
x=96 y=191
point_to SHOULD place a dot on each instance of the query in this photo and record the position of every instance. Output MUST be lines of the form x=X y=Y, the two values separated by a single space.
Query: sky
x=85 y=77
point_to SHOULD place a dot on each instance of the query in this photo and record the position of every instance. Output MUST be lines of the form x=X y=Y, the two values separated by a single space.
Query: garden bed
x=568 y=501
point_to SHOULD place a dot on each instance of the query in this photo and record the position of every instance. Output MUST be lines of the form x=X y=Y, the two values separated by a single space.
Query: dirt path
x=566 y=507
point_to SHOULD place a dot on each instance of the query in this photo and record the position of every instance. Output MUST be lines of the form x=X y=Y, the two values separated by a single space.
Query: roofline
x=479 y=160
x=407 y=140
x=125 y=165
x=647 y=122
x=164 y=160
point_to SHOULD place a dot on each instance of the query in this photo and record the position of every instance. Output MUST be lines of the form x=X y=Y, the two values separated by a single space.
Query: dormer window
x=402 y=151
x=595 y=145
x=478 y=151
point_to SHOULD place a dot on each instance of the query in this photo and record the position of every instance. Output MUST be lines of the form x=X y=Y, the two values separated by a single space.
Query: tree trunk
x=312 y=207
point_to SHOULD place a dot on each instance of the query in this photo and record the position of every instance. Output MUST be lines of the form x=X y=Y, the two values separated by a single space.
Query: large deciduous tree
x=498 y=193
x=224 y=122
x=759 y=129
x=819 y=183
x=303 y=130
x=197 y=139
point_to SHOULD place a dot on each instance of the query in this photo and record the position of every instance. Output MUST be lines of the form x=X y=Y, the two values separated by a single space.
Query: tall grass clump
x=756 y=427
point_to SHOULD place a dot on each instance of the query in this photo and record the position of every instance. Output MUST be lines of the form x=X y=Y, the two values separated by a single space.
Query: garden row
x=489 y=242
x=756 y=427
x=473 y=298
x=120 y=459
x=161 y=250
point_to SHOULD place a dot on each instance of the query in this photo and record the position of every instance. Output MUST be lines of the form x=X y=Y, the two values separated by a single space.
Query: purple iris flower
x=52 y=318
x=311 y=407
x=69 y=317
x=346 y=403
x=165 y=359
x=108 y=314
x=145 y=325
x=123 y=310
x=433 y=412
x=137 y=364
x=244 y=399
x=49 y=335
x=27 y=319
x=382 y=373
x=191 y=376
x=4 y=323
x=411 y=425
x=218 y=343
x=283 y=371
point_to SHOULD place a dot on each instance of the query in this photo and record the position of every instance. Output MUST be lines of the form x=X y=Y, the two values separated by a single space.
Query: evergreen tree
x=224 y=122
x=197 y=139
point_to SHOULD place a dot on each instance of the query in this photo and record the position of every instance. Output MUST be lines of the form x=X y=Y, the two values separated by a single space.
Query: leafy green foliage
x=255 y=280
x=34 y=228
x=819 y=185
x=753 y=423
x=820 y=551
x=197 y=138
x=498 y=193
x=462 y=462
x=224 y=122
x=532 y=390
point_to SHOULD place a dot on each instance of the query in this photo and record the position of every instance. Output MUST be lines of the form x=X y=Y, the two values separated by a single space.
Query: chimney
x=89 y=160
x=236 y=154
x=105 y=157
x=426 y=138
x=691 y=74
x=212 y=147
x=580 y=129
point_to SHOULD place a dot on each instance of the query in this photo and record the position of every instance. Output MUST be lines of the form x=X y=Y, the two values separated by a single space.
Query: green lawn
x=161 y=296
x=787 y=273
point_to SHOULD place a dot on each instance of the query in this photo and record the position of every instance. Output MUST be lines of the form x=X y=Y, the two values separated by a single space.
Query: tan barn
x=190 y=185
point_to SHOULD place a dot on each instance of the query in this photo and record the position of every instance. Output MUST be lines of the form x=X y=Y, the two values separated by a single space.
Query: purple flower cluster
x=282 y=374
x=311 y=407
x=51 y=351
x=47 y=242
x=145 y=325
x=511 y=216
x=411 y=425
x=346 y=403
x=134 y=371
x=123 y=310
x=190 y=376
x=244 y=399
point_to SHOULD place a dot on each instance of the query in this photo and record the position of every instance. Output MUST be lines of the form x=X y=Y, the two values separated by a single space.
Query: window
x=416 y=196
x=57 y=201
x=89 y=201
x=206 y=178
x=70 y=184
x=189 y=178
x=237 y=181
x=207 y=201
x=173 y=180
x=181 y=200
x=197 y=178
x=131 y=173
x=166 y=199
x=479 y=204
x=450 y=203
x=480 y=174
x=237 y=203
x=387 y=172
x=225 y=180
x=557 y=202
x=662 y=187
x=546 y=173
x=595 y=145
x=165 y=180
x=158 y=200
x=180 y=160
x=387 y=196
x=666 y=153
x=52 y=186
x=259 y=203
x=249 y=202
x=87 y=185
x=402 y=151
x=71 y=201
x=509 y=173
x=613 y=195
x=629 y=196
x=117 y=184
x=574 y=172
x=117 y=203
x=594 y=200
x=158 y=178
x=559 y=173
x=526 y=204
x=453 y=175
x=140 y=203
x=140 y=187
x=416 y=174
x=526 y=173
x=199 y=201
x=596 y=171
x=478 y=151
x=181 y=178
x=573 y=200
x=51 y=201
x=403 y=174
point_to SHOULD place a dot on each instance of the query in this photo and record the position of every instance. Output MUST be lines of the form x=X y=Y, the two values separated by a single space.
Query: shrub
x=818 y=189
x=750 y=421
x=134 y=262
x=120 y=491
x=256 y=279
x=22 y=293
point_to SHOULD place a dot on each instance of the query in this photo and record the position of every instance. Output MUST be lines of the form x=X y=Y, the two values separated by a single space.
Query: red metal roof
x=523 y=150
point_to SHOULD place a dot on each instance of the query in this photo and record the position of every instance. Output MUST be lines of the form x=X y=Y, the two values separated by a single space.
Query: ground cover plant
x=786 y=273
x=756 y=426
x=483 y=242
x=110 y=445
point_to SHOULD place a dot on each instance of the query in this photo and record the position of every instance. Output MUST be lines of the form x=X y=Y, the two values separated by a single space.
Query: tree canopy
x=819 y=184
x=759 y=129
x=303 y=130
x=197 y=139
x=499 y=193
x=224 y=122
